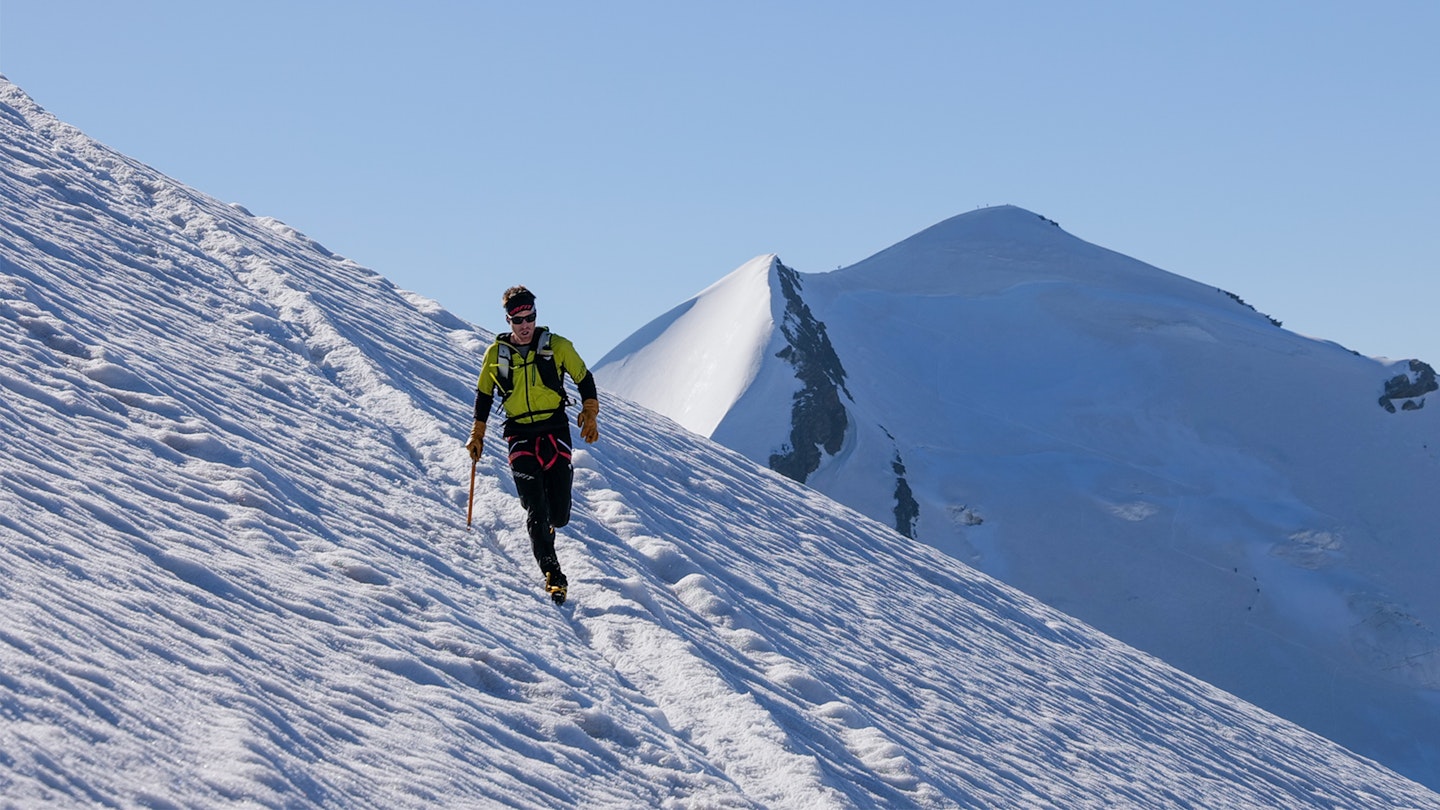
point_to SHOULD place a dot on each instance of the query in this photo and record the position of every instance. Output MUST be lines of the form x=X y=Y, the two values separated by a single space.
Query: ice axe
x=470 y=508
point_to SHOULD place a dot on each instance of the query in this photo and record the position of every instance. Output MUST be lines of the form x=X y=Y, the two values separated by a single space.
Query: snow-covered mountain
x=1144 y=452
x=234 y=570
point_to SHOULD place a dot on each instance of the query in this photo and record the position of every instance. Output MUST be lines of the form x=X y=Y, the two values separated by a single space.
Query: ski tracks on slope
x=750 y=708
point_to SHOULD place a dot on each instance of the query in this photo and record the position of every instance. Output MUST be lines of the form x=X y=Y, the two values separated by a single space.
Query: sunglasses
x=524 y=319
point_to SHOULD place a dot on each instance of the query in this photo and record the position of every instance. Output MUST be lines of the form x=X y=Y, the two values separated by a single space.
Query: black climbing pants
x=543 y=476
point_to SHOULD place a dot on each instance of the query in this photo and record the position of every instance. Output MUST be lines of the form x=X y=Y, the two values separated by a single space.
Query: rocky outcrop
x=907 y=509
x=817 y=416
x=1409 y=389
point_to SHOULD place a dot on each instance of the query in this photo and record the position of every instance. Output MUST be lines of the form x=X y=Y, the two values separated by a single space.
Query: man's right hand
x=477 y=440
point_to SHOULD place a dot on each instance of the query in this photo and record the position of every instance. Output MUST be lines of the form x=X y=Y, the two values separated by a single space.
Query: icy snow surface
x=234 y=571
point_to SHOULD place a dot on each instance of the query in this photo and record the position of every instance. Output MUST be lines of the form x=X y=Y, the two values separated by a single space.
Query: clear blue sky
x=618 y=157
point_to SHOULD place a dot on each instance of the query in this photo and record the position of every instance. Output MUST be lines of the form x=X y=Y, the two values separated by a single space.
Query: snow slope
x=1132 y=447
x=234 y=570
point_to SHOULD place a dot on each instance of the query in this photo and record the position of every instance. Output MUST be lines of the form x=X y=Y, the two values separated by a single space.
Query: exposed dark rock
x=817 y=417
x=1409 y=389
x=907 y=509
x=1241 y=302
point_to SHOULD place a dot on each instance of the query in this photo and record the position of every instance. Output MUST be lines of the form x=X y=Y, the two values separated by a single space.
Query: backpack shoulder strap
x=503 y=377
x=549 y=372
x=544 y=365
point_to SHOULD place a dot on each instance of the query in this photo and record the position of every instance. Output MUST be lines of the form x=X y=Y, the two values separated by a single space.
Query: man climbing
x=525 y=366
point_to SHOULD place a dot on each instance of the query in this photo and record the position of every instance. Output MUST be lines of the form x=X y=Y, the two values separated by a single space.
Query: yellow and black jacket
x=529 y=381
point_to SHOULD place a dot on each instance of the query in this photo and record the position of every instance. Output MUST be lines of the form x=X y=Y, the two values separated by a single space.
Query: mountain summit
x=1141 y=450
x=991 y=250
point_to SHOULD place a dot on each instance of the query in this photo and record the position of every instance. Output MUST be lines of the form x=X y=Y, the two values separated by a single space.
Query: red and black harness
x=546 y=450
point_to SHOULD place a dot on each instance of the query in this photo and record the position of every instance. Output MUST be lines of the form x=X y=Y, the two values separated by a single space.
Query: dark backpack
x=544 y=363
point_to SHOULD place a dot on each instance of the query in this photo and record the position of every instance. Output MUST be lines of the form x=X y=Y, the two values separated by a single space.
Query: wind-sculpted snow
x=234 y=570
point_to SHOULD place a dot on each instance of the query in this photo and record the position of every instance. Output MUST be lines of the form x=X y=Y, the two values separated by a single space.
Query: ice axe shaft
x=470 y=507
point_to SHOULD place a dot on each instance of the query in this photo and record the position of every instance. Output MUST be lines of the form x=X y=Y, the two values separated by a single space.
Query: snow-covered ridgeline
x=234 y=570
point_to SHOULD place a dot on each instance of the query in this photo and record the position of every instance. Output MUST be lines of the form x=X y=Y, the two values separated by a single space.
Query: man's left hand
x=589 y=431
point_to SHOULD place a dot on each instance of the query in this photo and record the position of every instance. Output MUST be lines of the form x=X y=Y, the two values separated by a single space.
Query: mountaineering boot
x=555 y=585
x=543 y=544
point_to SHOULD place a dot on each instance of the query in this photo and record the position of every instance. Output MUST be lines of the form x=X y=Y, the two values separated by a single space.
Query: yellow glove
x=477 y=438
x=589 y=431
